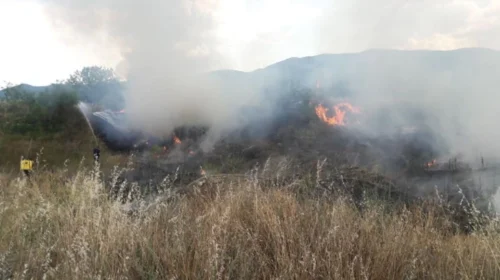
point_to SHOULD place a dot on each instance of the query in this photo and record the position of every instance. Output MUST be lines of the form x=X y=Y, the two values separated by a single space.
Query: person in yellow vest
x=26 y=166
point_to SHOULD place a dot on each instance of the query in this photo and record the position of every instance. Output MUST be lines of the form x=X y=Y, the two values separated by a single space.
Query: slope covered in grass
x=47 y=123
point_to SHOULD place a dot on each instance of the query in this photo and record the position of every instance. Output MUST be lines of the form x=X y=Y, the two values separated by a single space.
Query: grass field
x=65 y=227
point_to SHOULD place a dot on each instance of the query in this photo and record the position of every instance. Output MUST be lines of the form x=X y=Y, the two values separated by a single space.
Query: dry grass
x=58 y=228
x=50 y=154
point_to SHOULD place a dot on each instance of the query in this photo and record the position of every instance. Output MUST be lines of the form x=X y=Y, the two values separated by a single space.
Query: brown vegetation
x=63 y=227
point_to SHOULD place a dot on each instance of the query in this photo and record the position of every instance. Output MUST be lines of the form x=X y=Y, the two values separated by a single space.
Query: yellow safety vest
x=26 y=164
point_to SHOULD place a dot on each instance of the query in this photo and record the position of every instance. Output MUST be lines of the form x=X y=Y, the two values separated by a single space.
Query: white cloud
x=257 y=33
x=438 y=24
x=246 y=34
x=439 y=42
x=31 y=52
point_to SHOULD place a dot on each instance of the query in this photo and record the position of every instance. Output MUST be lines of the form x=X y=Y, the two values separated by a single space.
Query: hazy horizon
x=47 y=40
x=276 y=62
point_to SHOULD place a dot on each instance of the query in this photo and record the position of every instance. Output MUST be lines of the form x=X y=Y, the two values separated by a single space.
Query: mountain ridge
x=303 y=68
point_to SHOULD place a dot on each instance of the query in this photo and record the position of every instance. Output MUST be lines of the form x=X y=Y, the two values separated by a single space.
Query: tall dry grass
x=67 y=228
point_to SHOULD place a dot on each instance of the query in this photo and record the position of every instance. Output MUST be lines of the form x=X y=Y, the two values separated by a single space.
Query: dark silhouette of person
x=97 y=154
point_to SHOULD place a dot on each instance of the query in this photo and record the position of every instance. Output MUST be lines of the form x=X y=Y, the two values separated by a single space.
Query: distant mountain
x=373 y=70
x=328 y=69
x=429 y=74
x=29 y=89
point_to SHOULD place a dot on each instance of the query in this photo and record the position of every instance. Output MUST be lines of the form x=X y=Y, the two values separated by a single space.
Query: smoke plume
x=167 y=48
x=456 y=90
x=454 y=93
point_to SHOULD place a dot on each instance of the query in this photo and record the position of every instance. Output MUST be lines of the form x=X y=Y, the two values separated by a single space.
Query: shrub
x=39 y=114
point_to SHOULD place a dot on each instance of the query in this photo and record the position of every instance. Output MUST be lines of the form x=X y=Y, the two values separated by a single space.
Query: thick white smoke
x=459 y=89
x=167 y=47
x=455 y=90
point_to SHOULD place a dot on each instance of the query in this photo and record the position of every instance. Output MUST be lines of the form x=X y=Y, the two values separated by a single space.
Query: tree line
x=54 y=108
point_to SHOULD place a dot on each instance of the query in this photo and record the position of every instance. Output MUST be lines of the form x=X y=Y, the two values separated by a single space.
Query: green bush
x=37 y=114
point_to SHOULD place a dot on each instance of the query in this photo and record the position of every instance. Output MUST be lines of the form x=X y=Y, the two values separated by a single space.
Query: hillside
x=434 y=81
x=43 y=123
x=376 y=71
x=351 y=70
x=26 y=88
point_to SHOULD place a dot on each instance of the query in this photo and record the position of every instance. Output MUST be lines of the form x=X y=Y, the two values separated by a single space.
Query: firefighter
x=97 y=154
x=26 y=166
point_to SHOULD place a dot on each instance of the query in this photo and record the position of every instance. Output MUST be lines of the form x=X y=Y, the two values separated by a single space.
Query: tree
x=98 y=85
x=92 y=76
x=44 y=113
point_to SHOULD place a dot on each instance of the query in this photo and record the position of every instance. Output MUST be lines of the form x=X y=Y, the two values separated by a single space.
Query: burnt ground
x=300 y=151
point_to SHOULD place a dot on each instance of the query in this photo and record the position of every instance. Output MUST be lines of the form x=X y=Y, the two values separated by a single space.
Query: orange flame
x=340 y=111
x=431 y=163
x=177 y=140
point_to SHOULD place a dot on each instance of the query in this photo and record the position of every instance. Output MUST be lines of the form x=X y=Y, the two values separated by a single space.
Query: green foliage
x=98 y=85
x=39 y=114
x=32 y=118
x=91 y=76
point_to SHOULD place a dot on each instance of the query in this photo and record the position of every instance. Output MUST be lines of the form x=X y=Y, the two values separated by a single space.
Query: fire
x=202 y=172
x=177 y=140
x=431 y=163
x=340 y=111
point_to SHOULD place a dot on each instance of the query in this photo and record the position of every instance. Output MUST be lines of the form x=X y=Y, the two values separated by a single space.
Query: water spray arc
x=86 y=112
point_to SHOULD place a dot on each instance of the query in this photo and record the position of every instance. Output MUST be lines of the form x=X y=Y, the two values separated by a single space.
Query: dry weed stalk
x=233 y=227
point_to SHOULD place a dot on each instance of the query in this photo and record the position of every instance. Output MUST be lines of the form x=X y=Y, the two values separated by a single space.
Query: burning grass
x=340 y=111
x=236 y=226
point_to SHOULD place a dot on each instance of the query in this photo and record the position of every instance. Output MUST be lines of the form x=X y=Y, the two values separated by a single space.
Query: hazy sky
x=41 y=44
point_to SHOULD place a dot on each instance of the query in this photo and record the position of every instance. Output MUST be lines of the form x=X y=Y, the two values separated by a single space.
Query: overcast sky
x=46 y=40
